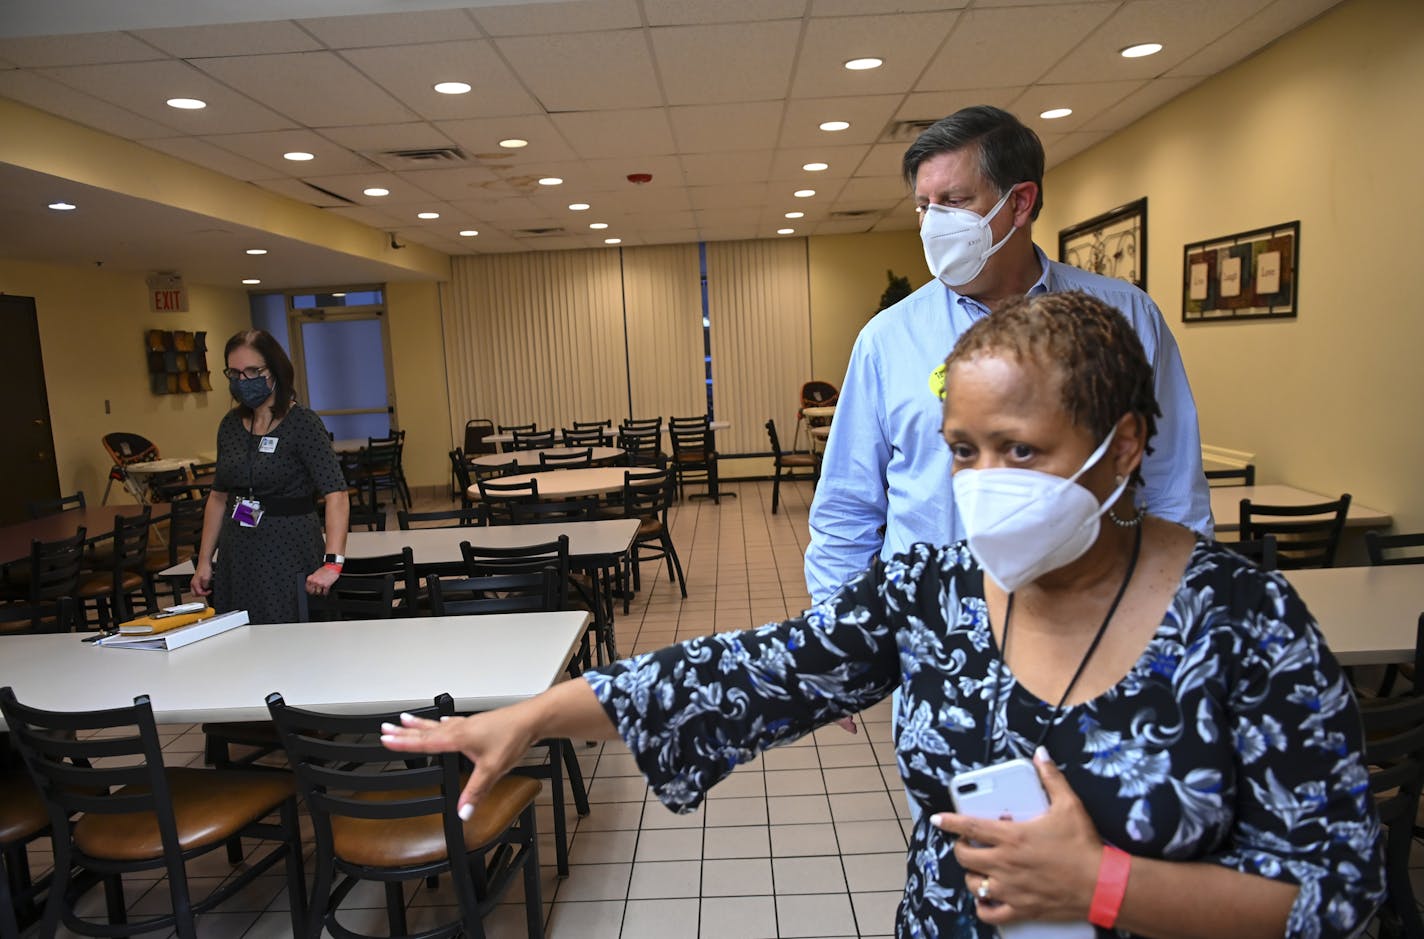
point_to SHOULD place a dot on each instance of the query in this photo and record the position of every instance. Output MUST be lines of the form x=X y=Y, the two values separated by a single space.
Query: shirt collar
x=977 y=309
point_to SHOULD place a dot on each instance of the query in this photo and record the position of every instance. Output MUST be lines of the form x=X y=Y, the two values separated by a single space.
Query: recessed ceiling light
x=551 y=181
x=375 y=191
x=298 y=156
x=63 y=206
x=795 y=214
x=513 y=143
x=578 y=207
x=613 y=241
x=599 y=225
x=251 y=280
x=187 y=104
x=835 y=125
x=452 y=88
x=256 y=250
x=427 y=215
x=468 y=233
x=815 y=167
x=1140 y=50
x=861 y=65
x=1053 y=114
x=338 y=294
x=786 y=231
x=804 y=193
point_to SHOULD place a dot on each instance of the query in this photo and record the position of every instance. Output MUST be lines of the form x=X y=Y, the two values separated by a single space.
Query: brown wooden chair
x=115 y=809
x=786 y=464
x=378 y=821
x=1301 y=541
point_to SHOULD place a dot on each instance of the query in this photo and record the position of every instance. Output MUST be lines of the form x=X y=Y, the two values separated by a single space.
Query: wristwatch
x=334 y=559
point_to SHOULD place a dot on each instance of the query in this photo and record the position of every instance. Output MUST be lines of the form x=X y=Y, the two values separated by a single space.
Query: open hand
x=493 y=741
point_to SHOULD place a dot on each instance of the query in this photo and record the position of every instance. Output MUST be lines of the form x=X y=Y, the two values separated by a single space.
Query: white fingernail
x=388 y=738
x=1041 y=754
x=406 y=717
x=936 y=819
x=388 y=728
x=466 y=811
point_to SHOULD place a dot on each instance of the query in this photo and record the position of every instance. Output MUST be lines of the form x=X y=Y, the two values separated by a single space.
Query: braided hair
x=1103 y=372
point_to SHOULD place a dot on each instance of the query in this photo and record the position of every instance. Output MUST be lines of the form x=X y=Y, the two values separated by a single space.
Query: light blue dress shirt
x=887 y=465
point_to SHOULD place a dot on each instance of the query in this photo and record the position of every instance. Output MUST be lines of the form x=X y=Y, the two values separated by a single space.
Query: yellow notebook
x=154 y=624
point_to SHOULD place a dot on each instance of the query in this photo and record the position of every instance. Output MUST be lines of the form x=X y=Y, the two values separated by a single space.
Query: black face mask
x=250 y=391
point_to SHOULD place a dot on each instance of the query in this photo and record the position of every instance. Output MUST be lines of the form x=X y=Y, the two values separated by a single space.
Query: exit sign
x=166 y=294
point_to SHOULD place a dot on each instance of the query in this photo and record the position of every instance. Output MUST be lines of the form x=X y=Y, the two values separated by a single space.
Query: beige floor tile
x=740 y=917
x=677 y=844
x=808 y=875
x=802 y=840
x=814 y=915
x=875 y=872
x=661 y=919
x=594 y=882
x=745 y=841
x=661 y=880
x=875 y=912
x=723 y=812
x=740 y=877
x=599 y=919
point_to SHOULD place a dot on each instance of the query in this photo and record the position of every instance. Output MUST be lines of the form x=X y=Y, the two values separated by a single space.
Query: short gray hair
x=1009 y=153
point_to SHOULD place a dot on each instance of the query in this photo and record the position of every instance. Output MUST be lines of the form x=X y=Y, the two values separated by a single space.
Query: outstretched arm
x=496 y=740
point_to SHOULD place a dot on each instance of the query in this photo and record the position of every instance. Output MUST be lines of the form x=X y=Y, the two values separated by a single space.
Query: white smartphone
x=1012 y=790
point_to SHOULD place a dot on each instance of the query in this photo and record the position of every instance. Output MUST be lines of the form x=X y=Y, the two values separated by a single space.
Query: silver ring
x=983 y=891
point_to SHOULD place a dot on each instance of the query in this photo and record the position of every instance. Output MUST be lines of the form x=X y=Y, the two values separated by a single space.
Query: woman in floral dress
x=1199 y=745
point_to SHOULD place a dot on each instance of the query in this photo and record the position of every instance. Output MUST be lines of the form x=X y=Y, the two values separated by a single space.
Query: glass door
x=339 y=350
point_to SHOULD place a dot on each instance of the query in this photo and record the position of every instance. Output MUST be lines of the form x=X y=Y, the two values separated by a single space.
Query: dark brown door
x=31 y=473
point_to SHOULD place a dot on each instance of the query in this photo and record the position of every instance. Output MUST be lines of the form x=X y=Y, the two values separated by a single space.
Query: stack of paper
x=160 y=635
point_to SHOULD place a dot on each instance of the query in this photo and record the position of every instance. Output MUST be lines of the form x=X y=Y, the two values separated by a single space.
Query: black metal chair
x=476 y=430
x=499 y=496
x=512 y=429
x=1301 y=541
x=533 y=439
x=475 y=516
x=376 y=468
x=352 y=597
x=51 y=573
x=646 y=497
x=786 y=465
x=124 y=576
x=54 y=506
x=185 y=535
x=378 y=821
x=115 y=809
x=1394 y=753
x=23 y=819
x=1241 y=476
x=693 y=454
x=598 y=435
x=573 y=459
x=1376 y=546
x=642 y=446
x=1260 y=550
x=460 y=475
x=60 y=615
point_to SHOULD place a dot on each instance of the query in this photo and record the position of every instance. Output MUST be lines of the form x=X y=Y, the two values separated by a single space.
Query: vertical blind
x=555 y=337
x=759 y=303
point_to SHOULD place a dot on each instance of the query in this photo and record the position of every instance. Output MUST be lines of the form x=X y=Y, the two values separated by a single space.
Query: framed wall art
x=1113 y=244
x=1247 y=276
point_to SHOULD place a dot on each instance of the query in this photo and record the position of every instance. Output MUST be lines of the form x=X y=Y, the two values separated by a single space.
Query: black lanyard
x=1052 y=721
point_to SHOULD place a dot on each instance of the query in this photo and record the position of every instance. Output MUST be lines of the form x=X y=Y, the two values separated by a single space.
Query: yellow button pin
x=937 y=381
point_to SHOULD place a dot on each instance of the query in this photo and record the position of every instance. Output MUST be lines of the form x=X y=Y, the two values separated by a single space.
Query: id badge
x=247 y=513
x=267 y=445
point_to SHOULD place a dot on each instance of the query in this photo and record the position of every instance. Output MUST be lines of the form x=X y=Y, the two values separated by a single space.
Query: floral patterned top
x=1234 y=739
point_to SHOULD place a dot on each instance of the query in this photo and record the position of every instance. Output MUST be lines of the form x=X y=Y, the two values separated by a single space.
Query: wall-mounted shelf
x=177 y=361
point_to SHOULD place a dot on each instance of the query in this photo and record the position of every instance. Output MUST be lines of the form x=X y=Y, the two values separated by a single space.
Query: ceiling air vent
x=855 y=213
x=332 y=198
x=538 y=232
x=905 y=130
x=419 y=158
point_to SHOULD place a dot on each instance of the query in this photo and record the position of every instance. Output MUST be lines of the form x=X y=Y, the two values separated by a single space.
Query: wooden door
x=31 y=473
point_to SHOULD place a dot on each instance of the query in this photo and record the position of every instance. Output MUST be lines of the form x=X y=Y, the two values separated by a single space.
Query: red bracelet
x=335 y=567
x=1111 y=887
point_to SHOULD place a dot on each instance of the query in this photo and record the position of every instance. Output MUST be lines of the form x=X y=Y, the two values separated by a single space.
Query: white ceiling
x=718 y=99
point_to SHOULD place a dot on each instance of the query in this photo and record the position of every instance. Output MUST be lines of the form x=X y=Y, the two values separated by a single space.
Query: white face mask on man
x=958 y=243
x=1023 y=523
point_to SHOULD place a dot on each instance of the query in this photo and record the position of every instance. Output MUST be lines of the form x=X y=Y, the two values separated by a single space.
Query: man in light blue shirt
x=885 y=478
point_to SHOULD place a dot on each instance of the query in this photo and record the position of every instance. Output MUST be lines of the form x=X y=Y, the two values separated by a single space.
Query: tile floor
x=808 y=841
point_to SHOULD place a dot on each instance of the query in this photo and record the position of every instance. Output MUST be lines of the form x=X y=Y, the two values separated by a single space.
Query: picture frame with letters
x=1250 y=275
x=1113 y=244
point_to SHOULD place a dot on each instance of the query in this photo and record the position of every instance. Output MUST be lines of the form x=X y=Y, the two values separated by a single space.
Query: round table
x=531 y=457
x=569 y=483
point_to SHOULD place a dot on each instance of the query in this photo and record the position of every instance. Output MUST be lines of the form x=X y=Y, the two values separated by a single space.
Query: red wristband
x=1111 y=888
x=335 y=567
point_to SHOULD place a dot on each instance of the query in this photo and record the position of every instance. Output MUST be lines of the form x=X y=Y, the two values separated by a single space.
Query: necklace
x=1052 y=721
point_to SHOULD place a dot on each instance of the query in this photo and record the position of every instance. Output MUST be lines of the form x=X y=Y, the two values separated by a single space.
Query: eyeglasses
x=252 y=371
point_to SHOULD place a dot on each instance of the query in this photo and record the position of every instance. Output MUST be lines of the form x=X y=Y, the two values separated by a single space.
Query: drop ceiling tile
x=366 y=215
x=844 y=226
x=905 y=42
x=872 y=191
x=662 y=220
x=1183 y=27
x=670 y=236
x=145 y=87
x=458 y=182
x=542 y=19
x=299 y=190
x=1070 y=145
x=731 y=232
x=628 y=199
x=594 y=134
x=513 y=211
x=1087 y=99
x=49 y=95
x=196 y=42
x=692 y=12
x=1266 y=26
x=842 y=162
x=416 y=135
x=410 y=73
x=391 y=29
x=351 y=185
x=318 y=89
x=710 y=169
x=712 y=128
x=884 y=159
x=81 y=49
x=739 y=197
x=610 y=175
x=1146 y=99
x=211 y=157
x=933 y=105
x=267 y=149
x=1035 y=3
x=716 y=64
x=482 y=136
x=859 y=7
x=600 y=71
x=868 y=117
x=1012 y=46
x=826 y=191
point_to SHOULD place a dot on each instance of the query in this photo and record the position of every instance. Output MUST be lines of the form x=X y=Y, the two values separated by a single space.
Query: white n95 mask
x=1023 y=523
x=958 y=242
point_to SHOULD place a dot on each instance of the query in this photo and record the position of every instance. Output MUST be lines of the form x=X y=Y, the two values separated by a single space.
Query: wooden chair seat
x=798 y=459
x=100 y=585
x=402 y=842
x=209 y=807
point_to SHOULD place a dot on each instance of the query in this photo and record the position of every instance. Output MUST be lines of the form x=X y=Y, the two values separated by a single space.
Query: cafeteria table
x=509 y=437
x=569 y=483
x=1226 y=505
x=97 y=521
x=1369 y=615
x=531 y=457
x=484 y=662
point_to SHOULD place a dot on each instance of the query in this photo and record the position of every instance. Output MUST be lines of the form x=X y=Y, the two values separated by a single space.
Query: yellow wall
x=1319 y=127
x=847 y=275
x=422 y=393
x=92 y=326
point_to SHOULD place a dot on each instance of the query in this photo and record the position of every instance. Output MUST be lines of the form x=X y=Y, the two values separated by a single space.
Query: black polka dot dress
x=260 y=569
